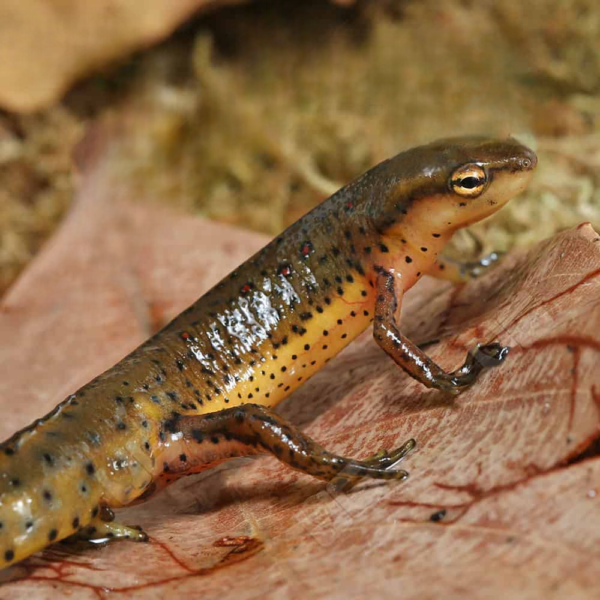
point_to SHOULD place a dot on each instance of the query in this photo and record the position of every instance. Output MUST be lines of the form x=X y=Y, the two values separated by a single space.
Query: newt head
x=450 y=184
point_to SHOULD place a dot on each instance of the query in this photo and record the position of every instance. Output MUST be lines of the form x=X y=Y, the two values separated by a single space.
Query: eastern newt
x=201 y=390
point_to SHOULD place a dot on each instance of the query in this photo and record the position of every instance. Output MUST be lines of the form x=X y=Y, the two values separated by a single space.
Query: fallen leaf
x=46 y=45
x=504 y=494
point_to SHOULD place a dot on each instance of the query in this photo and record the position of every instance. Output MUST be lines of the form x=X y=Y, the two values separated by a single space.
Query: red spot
x=306 y=248
x=350 y=205
x=285 y=270
x=246 y=288
x=185 y=335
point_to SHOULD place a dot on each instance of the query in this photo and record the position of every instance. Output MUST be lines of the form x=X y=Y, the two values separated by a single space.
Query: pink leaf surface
x=504 y=493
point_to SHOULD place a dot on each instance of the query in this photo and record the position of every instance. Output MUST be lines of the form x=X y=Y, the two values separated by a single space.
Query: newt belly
x=201 y=390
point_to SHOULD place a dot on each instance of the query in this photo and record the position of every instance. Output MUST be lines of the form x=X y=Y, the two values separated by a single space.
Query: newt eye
x=468 y=181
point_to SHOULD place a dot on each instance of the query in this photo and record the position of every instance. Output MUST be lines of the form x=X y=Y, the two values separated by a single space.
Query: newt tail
x=202 y=389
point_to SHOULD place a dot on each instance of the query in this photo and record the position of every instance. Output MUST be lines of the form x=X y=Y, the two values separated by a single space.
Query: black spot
x=319 y=309
x=408 y=259
x=95 y=511
x=75 y=523
x=16 y=482
x=52 y=535
x=147 y=445
x=283 y=369
x=90 y=469
x=214 y=439
x=171 y=425
x=9 y=555
x=47 y=495
x=172 y=396
x=183 y=458
x=383 y=248
x=438 y=516
x=9 y=451
x=121 y=426
x=180 y=364
x=83 y=488
x=325 y=332
x=28 y=525
x=437 y=235
x=423 y=248
x=197 y=436
x=48 y=459
x=306 y=316
x=307 y=346
x=363 y=293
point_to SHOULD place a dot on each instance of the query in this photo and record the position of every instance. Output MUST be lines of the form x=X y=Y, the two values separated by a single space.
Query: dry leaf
x=502 y=500
x=46 y=45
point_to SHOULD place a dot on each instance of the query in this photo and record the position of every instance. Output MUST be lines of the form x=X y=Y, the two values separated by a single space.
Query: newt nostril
x=529 y=162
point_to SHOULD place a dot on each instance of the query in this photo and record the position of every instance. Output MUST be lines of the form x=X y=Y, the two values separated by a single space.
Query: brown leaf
x=46 y=45
x=500 y=502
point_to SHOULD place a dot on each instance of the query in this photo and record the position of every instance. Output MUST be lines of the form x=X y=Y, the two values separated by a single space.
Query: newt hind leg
x=257 y=428
x=412 y=359
x=103 y=529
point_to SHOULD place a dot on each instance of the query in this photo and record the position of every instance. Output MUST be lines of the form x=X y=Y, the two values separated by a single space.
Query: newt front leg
x=412 y=359
x=458 y=271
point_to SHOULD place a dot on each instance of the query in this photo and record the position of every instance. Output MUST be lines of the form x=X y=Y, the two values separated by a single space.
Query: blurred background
x=252 y=112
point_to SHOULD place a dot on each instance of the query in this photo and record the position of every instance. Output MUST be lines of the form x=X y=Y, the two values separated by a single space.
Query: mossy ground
x=254 y=114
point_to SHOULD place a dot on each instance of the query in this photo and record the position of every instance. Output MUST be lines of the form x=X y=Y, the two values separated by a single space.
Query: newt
x=202 y=389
